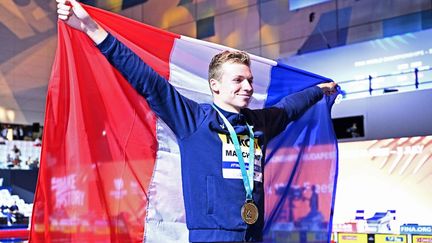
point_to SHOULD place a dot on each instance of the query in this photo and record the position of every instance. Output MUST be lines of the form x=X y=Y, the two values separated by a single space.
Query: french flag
x=110 y=169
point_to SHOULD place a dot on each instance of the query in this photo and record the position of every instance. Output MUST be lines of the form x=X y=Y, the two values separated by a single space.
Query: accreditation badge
x=230 y=163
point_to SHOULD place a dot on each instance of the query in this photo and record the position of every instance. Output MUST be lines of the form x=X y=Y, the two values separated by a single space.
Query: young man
x=219 y=206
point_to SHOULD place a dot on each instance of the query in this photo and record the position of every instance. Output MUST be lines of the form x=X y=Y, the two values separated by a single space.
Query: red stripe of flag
x=99 y=142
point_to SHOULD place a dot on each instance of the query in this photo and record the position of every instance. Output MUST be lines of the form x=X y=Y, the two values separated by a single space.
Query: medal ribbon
x=247 y=177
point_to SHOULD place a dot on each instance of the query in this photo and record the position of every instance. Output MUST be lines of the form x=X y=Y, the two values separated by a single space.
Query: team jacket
x=212 y=186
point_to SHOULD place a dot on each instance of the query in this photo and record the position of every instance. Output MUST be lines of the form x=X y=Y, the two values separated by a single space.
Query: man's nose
x=247 y=85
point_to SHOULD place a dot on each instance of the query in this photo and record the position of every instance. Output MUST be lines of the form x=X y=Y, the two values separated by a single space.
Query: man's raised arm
x=182 y=115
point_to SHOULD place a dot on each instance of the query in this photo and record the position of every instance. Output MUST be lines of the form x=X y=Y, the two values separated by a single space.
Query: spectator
x=353 y=131
x=15 y=217
x=18 y=133
x=29 y=161
x=37 y=142
x=4 y=212
x=9 y=161
x=15 y=133
x=16 y=156
x=16 y=151
x=3 y=209
x=4 y=131
x=14 y=208
x=34 y=164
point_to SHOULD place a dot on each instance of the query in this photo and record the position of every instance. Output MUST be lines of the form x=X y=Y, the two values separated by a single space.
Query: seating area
x=27 y=158
x=15 y=212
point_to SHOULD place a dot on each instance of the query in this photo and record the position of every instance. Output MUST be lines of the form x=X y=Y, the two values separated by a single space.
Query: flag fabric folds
x=110 y=169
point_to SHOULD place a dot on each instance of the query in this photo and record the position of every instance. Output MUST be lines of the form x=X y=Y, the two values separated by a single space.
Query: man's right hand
x=73 y=14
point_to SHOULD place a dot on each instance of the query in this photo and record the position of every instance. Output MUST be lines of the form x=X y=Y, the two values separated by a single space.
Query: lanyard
x=247 y=177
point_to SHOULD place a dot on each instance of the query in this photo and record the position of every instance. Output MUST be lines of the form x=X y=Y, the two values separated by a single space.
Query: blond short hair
x=218 y=60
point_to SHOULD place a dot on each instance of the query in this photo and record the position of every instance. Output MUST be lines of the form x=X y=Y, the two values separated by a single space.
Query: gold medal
x=249 y=212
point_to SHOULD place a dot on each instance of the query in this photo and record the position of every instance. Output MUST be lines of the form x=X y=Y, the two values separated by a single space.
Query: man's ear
x=214 y=85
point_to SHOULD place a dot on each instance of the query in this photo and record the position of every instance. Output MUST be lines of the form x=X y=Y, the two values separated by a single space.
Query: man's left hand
x=328 y=88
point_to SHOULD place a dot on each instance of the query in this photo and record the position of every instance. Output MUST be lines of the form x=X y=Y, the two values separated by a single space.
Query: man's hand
x=328 y=88
x=74 y=15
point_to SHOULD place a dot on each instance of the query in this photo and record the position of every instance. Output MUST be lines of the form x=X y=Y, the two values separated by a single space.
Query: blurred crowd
x=13 y=209
x=20 y=146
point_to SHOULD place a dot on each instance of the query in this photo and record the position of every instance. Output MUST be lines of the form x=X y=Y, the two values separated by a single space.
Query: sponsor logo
x=66 y=192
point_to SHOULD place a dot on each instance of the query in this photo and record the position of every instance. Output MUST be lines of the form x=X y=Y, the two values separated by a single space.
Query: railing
x=418 y=78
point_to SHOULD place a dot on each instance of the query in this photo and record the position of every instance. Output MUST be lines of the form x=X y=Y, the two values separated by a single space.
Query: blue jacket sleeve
x=182 y=115
x=297 y=103
x=293 y=106
x=275 y=118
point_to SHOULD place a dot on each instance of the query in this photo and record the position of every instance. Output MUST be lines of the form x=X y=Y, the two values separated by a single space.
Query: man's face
x=234 y=89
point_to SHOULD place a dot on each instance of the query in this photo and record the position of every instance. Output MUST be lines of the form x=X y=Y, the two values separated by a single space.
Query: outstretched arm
x=179 y=113
x=297 y=103
x=294 y=105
